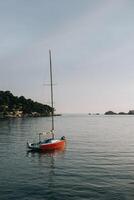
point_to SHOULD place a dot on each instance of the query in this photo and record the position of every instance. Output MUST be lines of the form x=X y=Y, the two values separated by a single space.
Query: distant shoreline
x=130 y=112
x=26 y=116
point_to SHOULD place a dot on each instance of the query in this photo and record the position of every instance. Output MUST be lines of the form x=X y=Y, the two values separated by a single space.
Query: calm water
x=98 y=162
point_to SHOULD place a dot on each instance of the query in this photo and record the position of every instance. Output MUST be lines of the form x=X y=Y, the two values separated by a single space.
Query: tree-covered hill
x=12 y=106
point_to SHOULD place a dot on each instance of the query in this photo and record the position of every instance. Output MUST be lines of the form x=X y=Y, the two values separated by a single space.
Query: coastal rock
x=122 y=113
x=110 y=113
x=131 y=112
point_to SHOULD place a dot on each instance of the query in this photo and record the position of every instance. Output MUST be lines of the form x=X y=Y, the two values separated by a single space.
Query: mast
x=52 y=104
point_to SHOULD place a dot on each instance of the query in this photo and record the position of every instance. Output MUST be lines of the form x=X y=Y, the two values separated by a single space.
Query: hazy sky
x=92 y=43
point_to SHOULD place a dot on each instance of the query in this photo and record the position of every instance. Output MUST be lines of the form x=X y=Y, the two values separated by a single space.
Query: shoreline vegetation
x=13 y=106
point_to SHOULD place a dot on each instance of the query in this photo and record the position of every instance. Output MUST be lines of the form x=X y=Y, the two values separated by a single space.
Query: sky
x=92 y=45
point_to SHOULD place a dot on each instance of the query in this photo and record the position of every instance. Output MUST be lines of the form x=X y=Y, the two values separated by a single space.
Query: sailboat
x=49 y=143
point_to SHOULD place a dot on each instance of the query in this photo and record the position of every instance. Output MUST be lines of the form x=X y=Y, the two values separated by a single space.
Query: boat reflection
x=47 y=160
x=47 y=165
x=48 y=153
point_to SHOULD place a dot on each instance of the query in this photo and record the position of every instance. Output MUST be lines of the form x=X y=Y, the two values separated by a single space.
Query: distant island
x=110 y=112
x=14 y=106
x=131 y=112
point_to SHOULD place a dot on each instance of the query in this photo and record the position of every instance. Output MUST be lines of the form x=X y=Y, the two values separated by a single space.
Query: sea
x=97 y=163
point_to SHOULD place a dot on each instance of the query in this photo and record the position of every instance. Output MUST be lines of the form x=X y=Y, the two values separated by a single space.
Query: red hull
x=60 y=144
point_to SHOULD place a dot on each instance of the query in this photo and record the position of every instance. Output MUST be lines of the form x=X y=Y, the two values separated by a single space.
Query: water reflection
x=45 y=154
x=46 y=170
